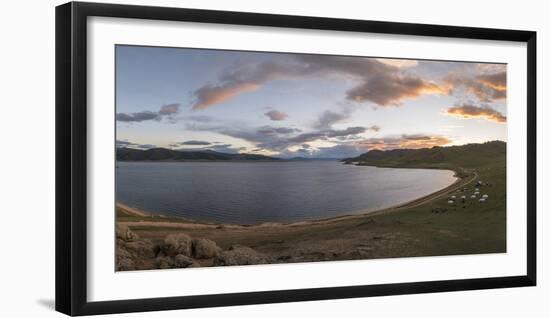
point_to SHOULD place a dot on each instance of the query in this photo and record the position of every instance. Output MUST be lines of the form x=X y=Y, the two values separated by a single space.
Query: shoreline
x=182 y=222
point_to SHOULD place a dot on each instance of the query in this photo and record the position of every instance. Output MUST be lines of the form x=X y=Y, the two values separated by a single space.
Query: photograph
x=227 y=157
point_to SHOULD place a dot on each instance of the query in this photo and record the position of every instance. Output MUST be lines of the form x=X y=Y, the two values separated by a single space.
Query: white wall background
x=27 y=158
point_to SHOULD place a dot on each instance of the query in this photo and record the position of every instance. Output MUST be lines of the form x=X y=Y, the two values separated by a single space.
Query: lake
x=256 y=192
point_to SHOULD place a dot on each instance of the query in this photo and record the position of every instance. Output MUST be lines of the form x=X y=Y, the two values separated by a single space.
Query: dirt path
x=441 y=193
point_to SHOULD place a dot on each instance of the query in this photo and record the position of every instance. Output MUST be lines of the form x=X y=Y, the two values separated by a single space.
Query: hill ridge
x=464 y=156
x=163 y=154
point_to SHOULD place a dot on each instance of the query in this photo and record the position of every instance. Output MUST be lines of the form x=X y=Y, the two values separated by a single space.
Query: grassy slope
x=464 y=228
x=409 y=231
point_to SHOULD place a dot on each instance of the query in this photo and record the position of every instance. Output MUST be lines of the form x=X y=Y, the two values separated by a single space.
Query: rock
x=132 y=255
x=141 y=249
x=175 y=244
x=121 y=255
x=124 y=233
x=164 y=262
x=240 y=255
x=204 y=248
x=125 y=264
x=124 y=261
x=182 y=261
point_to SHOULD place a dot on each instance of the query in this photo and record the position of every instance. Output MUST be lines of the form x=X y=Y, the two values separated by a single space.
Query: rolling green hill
x=163 y=154
x=454 y=157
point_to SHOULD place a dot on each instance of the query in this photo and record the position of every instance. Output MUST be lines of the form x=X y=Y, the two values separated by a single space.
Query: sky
x=302 y=105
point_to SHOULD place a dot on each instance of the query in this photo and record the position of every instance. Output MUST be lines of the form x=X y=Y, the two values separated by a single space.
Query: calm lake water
x=255 y=192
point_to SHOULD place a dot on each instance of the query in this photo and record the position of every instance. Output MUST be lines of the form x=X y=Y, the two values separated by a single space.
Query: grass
x=472 y=227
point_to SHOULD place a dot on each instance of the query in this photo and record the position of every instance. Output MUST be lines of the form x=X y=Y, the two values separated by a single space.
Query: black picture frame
x=71 y=157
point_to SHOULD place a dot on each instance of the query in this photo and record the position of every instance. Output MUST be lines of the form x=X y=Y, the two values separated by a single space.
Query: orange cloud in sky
x=380 y=81
x=210 y=95
x=486 y=87
x=276 y=115
x=496 y=81
x=471 y=111
x=389 y=91
x=400 y=63
x=415 y=141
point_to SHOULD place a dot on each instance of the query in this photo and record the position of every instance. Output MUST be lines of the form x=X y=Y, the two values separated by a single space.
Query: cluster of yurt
x=484 y=198
x=452 y=199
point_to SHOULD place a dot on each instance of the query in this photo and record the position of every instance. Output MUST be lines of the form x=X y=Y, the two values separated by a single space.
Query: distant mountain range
x=463 y=156
x=163 y=154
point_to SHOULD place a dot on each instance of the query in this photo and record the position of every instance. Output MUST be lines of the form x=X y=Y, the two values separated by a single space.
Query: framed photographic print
x=208 y=158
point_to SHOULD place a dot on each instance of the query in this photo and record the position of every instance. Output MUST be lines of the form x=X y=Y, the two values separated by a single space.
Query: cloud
x=305 y=137
x=280 y=139
x=352 y=149
x=413 y=141
x=268 y=130
x=472 y=111
x=210 y=95
x=245 y=78
x=491 y=67
x=146 y=146
x=225 y=148
x=137 y=117
x=382 y=83
x=195 y=143
x=329 y=118
x=379 y=83
x=281 y=144
x=346 y=132
x=398 y=62
x=169 y=109
x=375 y=128
x=276 y=115
x=123 y=143
x=165 y=111
x=391 y=89
x=129 y=144
x=486 y=87
x=199 y=119
x=496 y=81
x=338 y=151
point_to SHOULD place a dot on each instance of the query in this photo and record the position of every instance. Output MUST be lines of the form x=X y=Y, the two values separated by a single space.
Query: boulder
x=204 y=248
x=175 y=244
x=182 y=261
x=240 y=255
x=140 y=249
x=124 y=260
x=124 y=233
x=164 y=262
x=125 y=264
